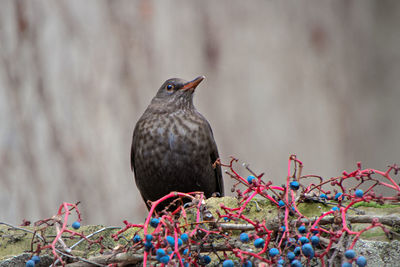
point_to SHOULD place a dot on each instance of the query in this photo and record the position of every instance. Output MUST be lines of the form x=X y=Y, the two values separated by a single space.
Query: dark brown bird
x=173 y=147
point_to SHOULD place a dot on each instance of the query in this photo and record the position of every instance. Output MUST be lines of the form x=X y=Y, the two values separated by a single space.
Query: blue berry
x=335 y=208
x=361 y=261
x=339 y=196
x=323 y=196
x=160 y=252
x=283 y=228
x=171 y=240
x=251 y=179
x=185 y=251
x=149 y=237
x=154 y=222
x=294 y=185
x=226 y=219
x=281 y=203
x=315 y=231
x=227 y=263
x=291 y=256
x=296 y=263
x=206 y=259
x=247 y=264
x=76 y=225
x=350 y=254
x=259 y=243
x=31 y=263
x=315 y=240
x=308 y=250
x=136 y=239
x=282 y=261
x=244 y=237
x=36 y=259
x=180 y=242
x=273 y=252
x=185 y=237
x=359 y=193
x=304 y=240
x=347 y=264
x=164 y=259
x=296 y=251
x=148 y=245
x=302 y=229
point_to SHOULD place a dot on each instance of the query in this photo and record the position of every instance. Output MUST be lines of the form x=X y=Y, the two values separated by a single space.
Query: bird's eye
x=170 y=87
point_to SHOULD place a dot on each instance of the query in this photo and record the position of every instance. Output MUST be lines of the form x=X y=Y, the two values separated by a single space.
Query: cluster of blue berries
x=31 y=263
x=350 y=254
x=163 y=254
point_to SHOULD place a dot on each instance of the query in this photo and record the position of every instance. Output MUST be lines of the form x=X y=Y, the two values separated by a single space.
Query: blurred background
x=315 y=78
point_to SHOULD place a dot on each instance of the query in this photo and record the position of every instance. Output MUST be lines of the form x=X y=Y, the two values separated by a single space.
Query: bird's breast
x=172 y=140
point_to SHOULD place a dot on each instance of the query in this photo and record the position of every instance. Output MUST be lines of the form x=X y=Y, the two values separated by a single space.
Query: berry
x=335 y=208
x=283 y=228
x=206 y=259
x=350 y=254
x=31 y=263
x=273 y=252
x=296 y=263
x=302 y=229
x=251 y=179
x=308 y=250
x=359 y=193
x=180 y=242
x=154 y=222
x=185 y=237
x=361 y=261
x=170 y=240
x=304 y=240
x=136 y=239
x=160 y=252
x=347 y=264
x=185 y=251
x=227 y=263
x=339 y=196
x=291 y=256
x=244 y=237
x=323 y=196
x=315 y=231
x=36 y=259
x=296 y=251
x=76 y=225
x=148 y=245
x=281 y=203
x=164 y=259
x=281 y=261
x=294 y=185
x=149 y=237
x=247 y=264
x=315 y=240
x=259 y=243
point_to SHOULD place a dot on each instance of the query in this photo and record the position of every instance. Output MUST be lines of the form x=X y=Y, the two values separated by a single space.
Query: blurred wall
x=315 y=78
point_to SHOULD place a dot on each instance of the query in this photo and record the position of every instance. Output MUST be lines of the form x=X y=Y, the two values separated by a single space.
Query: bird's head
x=176 y=94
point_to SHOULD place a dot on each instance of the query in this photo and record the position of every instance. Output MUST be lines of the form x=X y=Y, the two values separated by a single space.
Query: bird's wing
x=134 y=141
x=133 y=151
x=218 y=173
x=213 y=157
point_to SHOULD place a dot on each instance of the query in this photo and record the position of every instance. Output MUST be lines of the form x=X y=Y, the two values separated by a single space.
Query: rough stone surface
x=379 y=253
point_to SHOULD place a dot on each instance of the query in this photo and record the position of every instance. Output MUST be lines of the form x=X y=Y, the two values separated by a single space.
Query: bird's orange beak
x=192 y=84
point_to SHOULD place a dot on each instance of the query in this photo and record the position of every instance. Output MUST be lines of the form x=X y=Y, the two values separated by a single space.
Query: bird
x=173 y=147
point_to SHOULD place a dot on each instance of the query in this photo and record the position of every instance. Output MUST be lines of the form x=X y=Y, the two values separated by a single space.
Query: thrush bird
x=173 y=147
